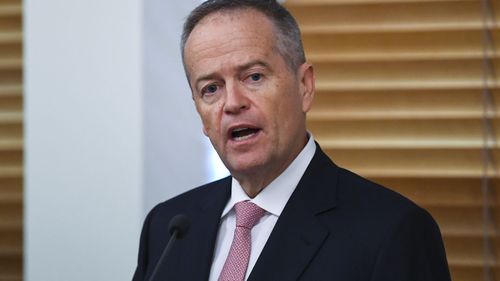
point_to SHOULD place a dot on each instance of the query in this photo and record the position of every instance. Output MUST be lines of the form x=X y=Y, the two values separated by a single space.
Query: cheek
x=217 y=116
x=204 y=114
x=211 y=119
x=276 y=104
x=289 y=112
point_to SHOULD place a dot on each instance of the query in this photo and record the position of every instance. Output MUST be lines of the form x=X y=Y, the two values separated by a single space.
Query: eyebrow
x=240 y=68
x=253 y=63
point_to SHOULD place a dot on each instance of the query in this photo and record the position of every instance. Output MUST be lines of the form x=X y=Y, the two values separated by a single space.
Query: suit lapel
x=197 y=251
x=298 y=234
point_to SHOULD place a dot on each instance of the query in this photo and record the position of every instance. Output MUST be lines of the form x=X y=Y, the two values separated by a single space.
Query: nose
x=236 y=99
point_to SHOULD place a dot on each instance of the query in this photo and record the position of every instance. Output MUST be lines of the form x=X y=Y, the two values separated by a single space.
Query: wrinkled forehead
x=220 y=32
x=234 y=15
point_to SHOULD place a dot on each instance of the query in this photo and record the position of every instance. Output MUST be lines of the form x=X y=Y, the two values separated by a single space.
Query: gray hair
x=288 y=39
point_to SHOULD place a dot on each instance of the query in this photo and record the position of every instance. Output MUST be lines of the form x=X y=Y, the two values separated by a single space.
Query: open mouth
x=240 y=134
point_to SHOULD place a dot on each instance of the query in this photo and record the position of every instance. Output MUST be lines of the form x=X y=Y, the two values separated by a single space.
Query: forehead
x=227 y=34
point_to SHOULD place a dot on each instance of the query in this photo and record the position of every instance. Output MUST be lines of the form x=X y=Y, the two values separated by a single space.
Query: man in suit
x=311 y=220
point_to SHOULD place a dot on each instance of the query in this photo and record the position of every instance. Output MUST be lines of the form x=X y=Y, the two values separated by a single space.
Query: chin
x=245 y=166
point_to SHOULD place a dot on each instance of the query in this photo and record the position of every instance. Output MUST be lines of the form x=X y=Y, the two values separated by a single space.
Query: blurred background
x=97 y=124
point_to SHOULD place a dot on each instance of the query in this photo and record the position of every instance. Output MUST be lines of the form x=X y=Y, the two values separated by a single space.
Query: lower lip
x=245 y=139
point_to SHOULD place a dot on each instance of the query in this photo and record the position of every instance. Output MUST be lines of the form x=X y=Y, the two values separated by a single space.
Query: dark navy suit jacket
x=336 y=226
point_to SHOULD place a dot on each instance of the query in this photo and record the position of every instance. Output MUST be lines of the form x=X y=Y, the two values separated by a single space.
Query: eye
x=209 y=89
x=256 y=77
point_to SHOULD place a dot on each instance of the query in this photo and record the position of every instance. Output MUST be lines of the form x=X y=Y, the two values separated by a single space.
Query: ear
x=307 y=85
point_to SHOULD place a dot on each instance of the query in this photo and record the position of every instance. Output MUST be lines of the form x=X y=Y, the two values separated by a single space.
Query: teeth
x=243 y=137
x=239 y=130
x=240 y=134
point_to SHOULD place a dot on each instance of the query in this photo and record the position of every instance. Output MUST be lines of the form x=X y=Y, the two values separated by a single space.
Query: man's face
x=251 y=103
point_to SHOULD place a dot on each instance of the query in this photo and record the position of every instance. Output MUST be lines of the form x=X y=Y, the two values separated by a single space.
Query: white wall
x=174 y=142
x=110 y=130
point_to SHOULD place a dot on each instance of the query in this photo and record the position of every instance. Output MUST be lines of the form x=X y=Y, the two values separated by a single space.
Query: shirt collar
x=274 y=197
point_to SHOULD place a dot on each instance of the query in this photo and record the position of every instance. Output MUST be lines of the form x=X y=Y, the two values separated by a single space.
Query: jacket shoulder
x=366 y=194
x=187 y=201
x=363 y=204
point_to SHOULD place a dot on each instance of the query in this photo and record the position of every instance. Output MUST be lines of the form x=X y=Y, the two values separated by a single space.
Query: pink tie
x=235 y=267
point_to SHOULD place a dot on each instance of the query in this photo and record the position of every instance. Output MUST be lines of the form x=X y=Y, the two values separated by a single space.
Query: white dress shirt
x=272 y=199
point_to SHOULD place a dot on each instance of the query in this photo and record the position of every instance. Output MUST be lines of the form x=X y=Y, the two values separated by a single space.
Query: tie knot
x=247 y=214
